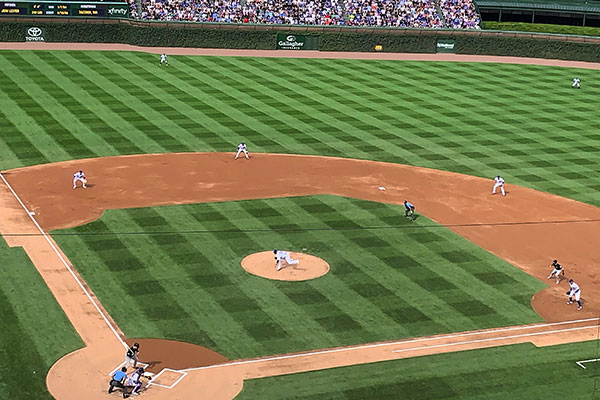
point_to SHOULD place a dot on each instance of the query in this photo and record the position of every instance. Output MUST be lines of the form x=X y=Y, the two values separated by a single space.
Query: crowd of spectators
x=400 y=13
x=299 y=12
x=390 y=13
x=460 y=14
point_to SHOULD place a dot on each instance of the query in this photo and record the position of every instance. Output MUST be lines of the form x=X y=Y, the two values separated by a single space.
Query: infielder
x=163 y=59
x=409 y=210
x=557 y=270
x=79 y=176
x=574 y=292
x=576 y=83
x=499 y=183
x=132 y=355
x=281 y=255
x=241 y=148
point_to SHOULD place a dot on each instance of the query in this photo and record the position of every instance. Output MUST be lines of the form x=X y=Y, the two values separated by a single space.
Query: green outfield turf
x=523 y=122
x=34 y=330
x=509 y=372
x=391 y=281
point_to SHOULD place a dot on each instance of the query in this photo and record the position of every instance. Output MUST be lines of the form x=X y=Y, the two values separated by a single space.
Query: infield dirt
x=523 y=228
x=518 y=228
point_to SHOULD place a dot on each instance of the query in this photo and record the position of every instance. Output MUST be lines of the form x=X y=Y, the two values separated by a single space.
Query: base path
x=527 y=228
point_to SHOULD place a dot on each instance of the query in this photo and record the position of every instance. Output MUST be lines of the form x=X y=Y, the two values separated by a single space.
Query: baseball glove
x=568 y=292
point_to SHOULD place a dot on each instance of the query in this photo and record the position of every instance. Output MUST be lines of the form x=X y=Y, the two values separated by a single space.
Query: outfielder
x=281 y=255
x=241 y=148
x=79 y=176
x=499 y=183
x=576 y=83
x=163 y=59
x=556 y=271
x=575 y=292
x=132 y=355
x=409 y=210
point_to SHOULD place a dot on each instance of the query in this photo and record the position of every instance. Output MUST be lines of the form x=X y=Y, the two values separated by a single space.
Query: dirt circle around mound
x=263 y=264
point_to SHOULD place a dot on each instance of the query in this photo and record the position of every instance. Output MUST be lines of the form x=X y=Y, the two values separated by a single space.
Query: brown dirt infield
x=263 y=264
x=464 y=200
x=462 y=203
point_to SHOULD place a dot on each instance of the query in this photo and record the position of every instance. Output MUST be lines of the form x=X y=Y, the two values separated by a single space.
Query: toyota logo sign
x=34 y=31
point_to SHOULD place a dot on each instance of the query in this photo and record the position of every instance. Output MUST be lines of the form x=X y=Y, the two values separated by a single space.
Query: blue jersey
x=408 y=206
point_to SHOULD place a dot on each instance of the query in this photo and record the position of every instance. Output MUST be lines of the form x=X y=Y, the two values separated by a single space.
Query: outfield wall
x=200 y=35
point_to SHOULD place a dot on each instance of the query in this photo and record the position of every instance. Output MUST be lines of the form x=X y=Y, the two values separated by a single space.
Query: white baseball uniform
x=575 y=291
x=163 y=59
x=576 y=83
x=499 y=183
x=280 y=256
x=241 y=149
x=79 y=176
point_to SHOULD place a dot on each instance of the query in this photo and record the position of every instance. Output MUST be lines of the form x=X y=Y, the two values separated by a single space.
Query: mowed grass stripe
x=130 y=107
x=218 y=129
x=109 y=117
x=36 y=103
x=27 y=308
x=384 y=283
x=476 y=374
x=69 y=111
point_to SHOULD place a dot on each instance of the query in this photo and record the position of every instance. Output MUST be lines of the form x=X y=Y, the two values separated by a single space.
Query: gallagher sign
x=291 y=42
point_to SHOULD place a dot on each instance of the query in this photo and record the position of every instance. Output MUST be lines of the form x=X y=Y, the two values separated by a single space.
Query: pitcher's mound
x=263 y=264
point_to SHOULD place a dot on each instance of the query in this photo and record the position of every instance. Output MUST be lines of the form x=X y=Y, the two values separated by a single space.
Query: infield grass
x=508 y=372
x=523 y=122
x=35 y=332
x=174 y=272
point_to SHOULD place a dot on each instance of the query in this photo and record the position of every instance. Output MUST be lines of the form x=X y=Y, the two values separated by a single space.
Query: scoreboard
x=65 y=9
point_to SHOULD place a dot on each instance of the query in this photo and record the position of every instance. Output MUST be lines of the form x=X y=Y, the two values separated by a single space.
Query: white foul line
x=495 y=338
x=65 y=263
x=375 y=345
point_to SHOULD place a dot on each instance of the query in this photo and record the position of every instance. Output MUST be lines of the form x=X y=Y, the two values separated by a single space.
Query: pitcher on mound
x=281 y=256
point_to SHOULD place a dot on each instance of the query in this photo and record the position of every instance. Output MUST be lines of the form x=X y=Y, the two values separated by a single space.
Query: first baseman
x=241 y=149
x=79 y=176
x=574 y=292
x=281 y=255
x=557 y=270
x=499 y=183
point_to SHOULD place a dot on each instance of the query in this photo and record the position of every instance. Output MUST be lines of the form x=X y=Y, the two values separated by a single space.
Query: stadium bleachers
x=457 y=14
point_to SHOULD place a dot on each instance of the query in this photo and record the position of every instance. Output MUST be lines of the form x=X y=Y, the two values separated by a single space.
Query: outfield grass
x=523 y=122
x=35 y=331
x=390 y=282
x=508 y=372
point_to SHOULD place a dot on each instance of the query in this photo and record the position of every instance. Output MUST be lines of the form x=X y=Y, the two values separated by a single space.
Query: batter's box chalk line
x=182 y=373
x=580 y=363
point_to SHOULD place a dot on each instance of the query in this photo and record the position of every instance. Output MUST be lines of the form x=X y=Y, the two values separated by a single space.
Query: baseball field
x=151 y=251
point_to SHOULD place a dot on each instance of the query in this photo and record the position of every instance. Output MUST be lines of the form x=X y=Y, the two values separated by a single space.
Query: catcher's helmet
x=275 y=251
x=570 y=280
